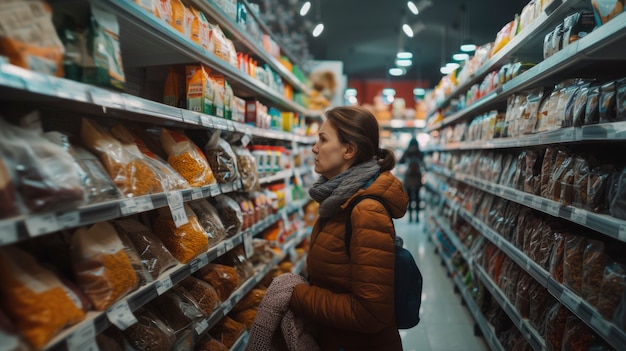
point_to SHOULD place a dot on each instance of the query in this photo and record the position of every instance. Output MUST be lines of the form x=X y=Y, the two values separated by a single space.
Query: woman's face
x=331 y=155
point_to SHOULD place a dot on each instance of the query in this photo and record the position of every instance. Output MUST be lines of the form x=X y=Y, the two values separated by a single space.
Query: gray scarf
x=331 y=193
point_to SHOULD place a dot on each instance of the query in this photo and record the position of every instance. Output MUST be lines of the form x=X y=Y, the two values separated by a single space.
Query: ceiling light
x=419 y=91
x=452 y=65
x=404 y=62
x=468 y=47
x=397 y=71
x=460 y=56
x=407 y=30
x=446 y=70
x=350 y=92
x=305 y=8
x=389 y=91
x=318 y=30
x=413 y=7
x=403 y=55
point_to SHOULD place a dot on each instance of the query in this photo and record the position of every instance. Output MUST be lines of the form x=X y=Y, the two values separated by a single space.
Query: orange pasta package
x=200 y=89
x=184 y=242
x=182 y=18
x=187 y=158
x=200 y=30
x=169 y=178
x=103 y=265
x=132 y=175
x=34 y=298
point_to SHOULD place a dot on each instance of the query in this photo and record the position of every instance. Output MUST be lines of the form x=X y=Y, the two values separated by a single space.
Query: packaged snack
x=200 y=90
x=228 y=330
x=184 y=242
x=34 y=298
x=246 y=165
x=178 y=309
x=594 y=261
x=150 y=333
x=132 y=175
x=606 y=103
x=154 y=256
x=103 y=265
x=223 y=278
x=186 y=158
x=221 y=158
x=8 y=193
x=209 y=219
x=230 y=213
x=48 y=177
x=606 y=10
x=203 y=293
x=612 y=289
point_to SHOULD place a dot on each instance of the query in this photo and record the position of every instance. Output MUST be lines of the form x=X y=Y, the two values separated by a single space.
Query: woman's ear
x=350 y=152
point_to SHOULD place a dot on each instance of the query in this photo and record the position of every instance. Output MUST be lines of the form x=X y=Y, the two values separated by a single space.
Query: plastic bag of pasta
x=210 y=220
x=184 y=242
x=186 y=158
x=103 y=265
x=124 y=163
x=34 y=298
x=221 y=158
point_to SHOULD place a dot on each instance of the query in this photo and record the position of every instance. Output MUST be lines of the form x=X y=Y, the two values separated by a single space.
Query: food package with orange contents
x=187 y=158
x=200 y=89
x=184 y=242
x=132 y=175
x=34 y=298
x=28 y=37
x=182 y=18
x=106 y=268
x=169 y=178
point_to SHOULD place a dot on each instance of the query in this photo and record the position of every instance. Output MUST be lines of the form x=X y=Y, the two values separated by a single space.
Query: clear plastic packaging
x=34 y=298
x=187 y=158
x=154 y=256
x=204 y=294
x=221 y=158
x=225 y=279
x=230 y=213
x=210 y=220
x=184 y=242
x=246 y=164
x=150 y=333
x=103 y=265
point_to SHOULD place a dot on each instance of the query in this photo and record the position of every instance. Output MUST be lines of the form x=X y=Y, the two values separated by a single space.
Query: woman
x=351 y=298
x=414 y=158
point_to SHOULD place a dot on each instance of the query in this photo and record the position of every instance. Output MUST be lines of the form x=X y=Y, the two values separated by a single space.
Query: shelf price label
x=201 y=326
x=8 y=233
x=570 y=300
x=621 y=235
x=579 y=216
x=68 y=219
x=42 y=224
x=196 y=193
x=163 y=285
x=121 y=316
x=83 y=339
x=175 y=202
x=227 y=187
x=247 y=244
x=228 y=305
x=554 y=209
x=128 y=206
x=229 y=245
x=221 y=249
x=214 y=190
x=144 y=204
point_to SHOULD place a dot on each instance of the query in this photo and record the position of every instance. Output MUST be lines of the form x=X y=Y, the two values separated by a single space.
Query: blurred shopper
x=413 y=158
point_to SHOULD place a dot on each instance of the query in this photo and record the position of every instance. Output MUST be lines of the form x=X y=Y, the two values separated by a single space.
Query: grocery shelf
x=526 y=45
x=486 y=329
x=241 y=342
x=602 y=223
x=147 y=41
x=585 y=312
x=214 y=12
x=575 y=57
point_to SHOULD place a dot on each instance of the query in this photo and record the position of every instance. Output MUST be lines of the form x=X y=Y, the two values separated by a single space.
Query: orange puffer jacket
x=351 y=298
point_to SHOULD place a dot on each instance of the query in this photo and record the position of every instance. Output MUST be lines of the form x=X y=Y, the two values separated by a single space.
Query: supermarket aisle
x=445 y=324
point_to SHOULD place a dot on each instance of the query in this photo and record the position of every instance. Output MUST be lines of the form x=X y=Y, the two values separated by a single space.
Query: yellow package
x=187 y=158
x=219 y=96
x=182 y=18
x=200 y=90
x=200 y=31
x=171 y=90
x=163 y=10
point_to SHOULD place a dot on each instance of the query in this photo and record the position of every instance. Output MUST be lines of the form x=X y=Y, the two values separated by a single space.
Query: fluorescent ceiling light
x=452 y=65
x=419 y=91
x=404 y=55
x=318 y=30
x=461 y=56
x=350 y=92
x=445 y=70
x=468 y=47
x=413 y=7
x=389 y=91
x=404 y=62
x=407 y=30
x=397 y=71
x=305 y=8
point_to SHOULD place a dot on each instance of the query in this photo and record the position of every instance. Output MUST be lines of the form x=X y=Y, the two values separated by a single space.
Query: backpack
x=408 y=278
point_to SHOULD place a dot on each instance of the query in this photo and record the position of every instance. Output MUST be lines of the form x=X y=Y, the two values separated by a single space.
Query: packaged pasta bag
x=209 y=343
x=132 y=175
x=230 y=213
x=186 y=158
x=228 y=330
x=221 y=158
x=178 y=309
x=184 y=242
x=248 y=172
x=170 y=179
x=154 y=256
x=150 y=333
x=103 y=265
x=203 y=293
x=44 y=173
x=34 y=298
x=9 y=205
x=223 y=278
x=210 y=220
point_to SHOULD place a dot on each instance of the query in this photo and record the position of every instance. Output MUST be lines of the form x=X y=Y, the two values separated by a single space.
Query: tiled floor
x=445 y=324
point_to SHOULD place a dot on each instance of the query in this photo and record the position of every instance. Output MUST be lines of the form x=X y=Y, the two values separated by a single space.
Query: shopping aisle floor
x=445 y=324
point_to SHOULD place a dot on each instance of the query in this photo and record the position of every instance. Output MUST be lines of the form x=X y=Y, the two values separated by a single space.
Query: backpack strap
x=348 y=236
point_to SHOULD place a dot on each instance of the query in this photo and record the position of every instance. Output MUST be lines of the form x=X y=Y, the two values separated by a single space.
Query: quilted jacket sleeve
x=370 y=306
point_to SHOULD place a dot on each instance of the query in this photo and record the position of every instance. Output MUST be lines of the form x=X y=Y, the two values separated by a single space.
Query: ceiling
x=366 y=34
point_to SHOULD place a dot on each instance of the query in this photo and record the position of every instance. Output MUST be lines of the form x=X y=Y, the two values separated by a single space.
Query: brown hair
x=357 y=125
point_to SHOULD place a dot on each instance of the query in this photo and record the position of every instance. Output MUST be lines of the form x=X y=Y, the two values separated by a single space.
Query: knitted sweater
x=275 y=326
